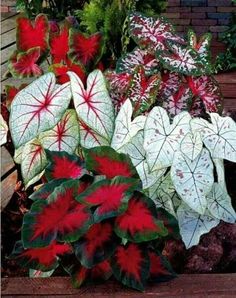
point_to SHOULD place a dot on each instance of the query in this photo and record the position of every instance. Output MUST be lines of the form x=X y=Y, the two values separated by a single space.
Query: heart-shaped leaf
x=219 y=136
x=59 y=45
x=129 y=226
x=110 y=196
x=64 y=136
x=193 y=180
x=170 y=222
x=37 y=108
x=46 y=190
x=130 y=265
x=191 y=145
x=93 y=105
x=162 y=139
x=3 y=131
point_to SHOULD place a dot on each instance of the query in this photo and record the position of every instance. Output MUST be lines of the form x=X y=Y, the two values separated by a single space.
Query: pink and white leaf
x=170 y=84
x=191 y=145
x=64 y=136
x=38 y=108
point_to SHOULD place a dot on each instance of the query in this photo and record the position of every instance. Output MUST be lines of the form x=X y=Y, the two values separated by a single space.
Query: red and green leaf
x=85 y=49
x=104 y=160
x=32 y=34
x=63 y=166
x=59 y=45
x=46 y=190
x=170 y=84
x=169 y=221
x=11 y=92
x=42 y=258
x=143 y=91
x=59 y=217
x=110 y=196
x=151 y=33
x=24 y=65
x=139 y=222
x=97 y=245
x=130 y=265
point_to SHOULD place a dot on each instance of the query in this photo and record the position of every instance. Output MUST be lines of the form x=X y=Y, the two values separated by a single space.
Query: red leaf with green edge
x=104 y=160
x=43 y=258
x=31 y=35
x=97 y=245
x=138 y=57
x=169 y=221
x=160 y=269
x=85 y=49
x=151 y=33
x=110 y=196
x=178 y=102
x=59 y=217
x=63 y=165
x=129 y=226
x=40 y=100
x=24 y=65
x=207 y=89
x=59 y=45
x=130 y=265
x=142 y=91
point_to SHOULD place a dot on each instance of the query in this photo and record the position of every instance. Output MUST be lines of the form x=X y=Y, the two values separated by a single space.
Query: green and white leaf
x=40 y=274
x=191 y=145
x=3 y=131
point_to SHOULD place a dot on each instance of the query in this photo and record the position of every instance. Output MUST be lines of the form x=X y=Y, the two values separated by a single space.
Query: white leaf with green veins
x=219 y=204
x=193 y=180
x=219 y=136
x=64 y=136
x=220 y=170
x=3 y=131
x=40 y=274
x=193 y=225
x=191 y=145
x=162 y=139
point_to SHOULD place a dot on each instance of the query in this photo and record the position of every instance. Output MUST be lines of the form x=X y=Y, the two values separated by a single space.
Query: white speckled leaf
x=3 y=131
x=220 y=170
x=191 y=145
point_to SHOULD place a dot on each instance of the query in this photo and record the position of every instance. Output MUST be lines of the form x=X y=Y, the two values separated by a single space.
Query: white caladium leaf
x=181 y=59
x=64 y=136
x=18 y=154
x=143 y=91
x=170 y=84
x=162 y=139
x=34 y=160
x=178 y=102
x=129 y=62
x=193 y=180
x=125 y=129
x=89 y=138
x=164 y=195
x=191 y=145
x=93 y=105
x=40 y=274
x=151 y=33
x=3 y=131
x=207 y=89
x=219 y=204
x=220 y=170
x=37 y=108
x=193 y=225
x=219 y=136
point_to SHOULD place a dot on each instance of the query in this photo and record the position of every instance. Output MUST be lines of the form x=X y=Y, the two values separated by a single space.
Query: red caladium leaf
x=98 y=244
x=63 y=165
x=85 y=49
x=160 y=269
x=143 y=91
x=130 y=265
x=110 y=196
x=129 y=226
x=170 y=222
x=129 y=62
x=60 y=217
x=59 y=45
x=152 y=33
x=178 y=102
x=31 y=35
x=11 y=92
x=42 y=258
x=104 y=160
x=24 y=65
x=170 y=84
x=207 y=89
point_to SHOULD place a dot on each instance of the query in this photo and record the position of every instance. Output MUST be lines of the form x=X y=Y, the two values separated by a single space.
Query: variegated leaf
x=33 y=162
x=40 y=274
x=193 y=225
x=193 y=180
x=219 y=136
x=151 y=33
x=170 y=84
x=219 y=204
x=64 y=136
x=162 y=139
x=37 y=108
x=129 y=62
x=3 y=131
x=191 y=145
x=93 y=105
x=220 y=170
